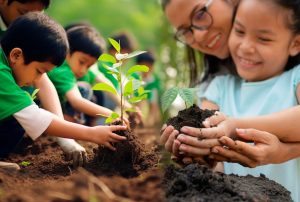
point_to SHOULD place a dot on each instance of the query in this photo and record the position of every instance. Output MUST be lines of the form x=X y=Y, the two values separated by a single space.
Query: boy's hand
x=73 y=151
x=103 y=135
x=167 y=138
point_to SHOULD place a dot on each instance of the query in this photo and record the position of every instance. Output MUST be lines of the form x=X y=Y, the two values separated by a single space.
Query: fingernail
x=240 y=130
x=206 y=123
x=223 y=141
x=214 y=150
x=184 y=129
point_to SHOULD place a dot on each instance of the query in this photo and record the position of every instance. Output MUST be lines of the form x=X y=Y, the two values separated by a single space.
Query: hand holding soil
x=267 y=149
x=103 y=135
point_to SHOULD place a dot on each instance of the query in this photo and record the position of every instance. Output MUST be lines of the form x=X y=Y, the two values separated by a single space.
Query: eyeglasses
x=200 y=19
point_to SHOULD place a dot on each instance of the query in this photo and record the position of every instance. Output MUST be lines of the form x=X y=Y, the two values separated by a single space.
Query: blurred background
x=144 y=19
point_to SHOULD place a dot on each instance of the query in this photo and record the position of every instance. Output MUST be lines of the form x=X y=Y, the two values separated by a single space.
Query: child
x=152 y=85
x=9 y=11
x=32 y=46
x=265 y=50
x=85 y=48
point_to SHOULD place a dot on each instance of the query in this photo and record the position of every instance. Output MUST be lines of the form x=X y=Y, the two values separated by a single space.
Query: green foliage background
x=143 y=18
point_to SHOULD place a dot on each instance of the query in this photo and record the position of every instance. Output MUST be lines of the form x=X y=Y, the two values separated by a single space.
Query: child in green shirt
x=86 y=46
x=9 y=11
x=32 y=46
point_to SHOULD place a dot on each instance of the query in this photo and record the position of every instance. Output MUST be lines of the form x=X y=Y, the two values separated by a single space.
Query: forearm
x=48 y=95
x=285 y=124
x=289 y=151
x=65 y=129
x=90 y=108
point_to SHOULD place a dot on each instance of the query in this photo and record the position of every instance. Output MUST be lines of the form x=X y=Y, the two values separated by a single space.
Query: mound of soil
x=199 y=183
x=130 y=158
x=193 y=116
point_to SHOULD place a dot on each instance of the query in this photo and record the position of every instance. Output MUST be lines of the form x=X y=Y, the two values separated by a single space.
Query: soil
x=50 y=178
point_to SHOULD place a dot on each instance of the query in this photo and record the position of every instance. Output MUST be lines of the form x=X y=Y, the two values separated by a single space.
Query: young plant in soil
x=130 y=156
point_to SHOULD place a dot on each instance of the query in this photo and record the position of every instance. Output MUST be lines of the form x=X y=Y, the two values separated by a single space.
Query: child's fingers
x=115 y=138
x=195 y=142
x=191 y=131
x=193 y=151
x=77 y=159
x=165 y=133
x=254 y=135
x=170 y=141
x=109 y=146
x=116 y=128
x=175 y=148
x=214 y=120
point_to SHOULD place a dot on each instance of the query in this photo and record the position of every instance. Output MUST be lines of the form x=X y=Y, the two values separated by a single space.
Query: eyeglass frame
x=191 y=27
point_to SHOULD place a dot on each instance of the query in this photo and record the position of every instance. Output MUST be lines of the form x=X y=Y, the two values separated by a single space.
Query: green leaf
x=128 y=89
x=138 y=98
x=33 y=96
x=105 y=87
x=130 y=110
x=168 y=98
x=136 y=84
x=107 y=58
x=135 y=53
x=114 y=115
x=25 y=163
x=187 y=94
x=115 y=44
x=137 y=68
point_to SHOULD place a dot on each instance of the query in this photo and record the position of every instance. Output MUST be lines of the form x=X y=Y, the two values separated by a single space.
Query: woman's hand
x=266 y=149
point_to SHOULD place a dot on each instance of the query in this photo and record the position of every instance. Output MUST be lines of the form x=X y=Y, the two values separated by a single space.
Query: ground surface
x=49 y=178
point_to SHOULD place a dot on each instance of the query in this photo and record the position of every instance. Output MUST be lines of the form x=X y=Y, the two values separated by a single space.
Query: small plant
x=34 y=93
x=187 y=94
x=131 y=89
x=25 y=163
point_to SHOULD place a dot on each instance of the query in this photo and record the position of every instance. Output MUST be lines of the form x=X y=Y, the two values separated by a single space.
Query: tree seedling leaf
x=187 y=94
x=105 y=87
x=135 y=53
x=137 y=68
x=107 y=58
x=168 y=98
x=115 y=44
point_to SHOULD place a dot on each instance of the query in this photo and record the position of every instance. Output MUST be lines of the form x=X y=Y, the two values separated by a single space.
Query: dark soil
x=195 y=183
x=199 y=183
x=49 y=178
x=193 y=116
x=130 y=158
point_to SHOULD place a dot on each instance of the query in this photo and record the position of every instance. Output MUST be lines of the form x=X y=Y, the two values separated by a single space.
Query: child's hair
x=125 y=39
x=86 y=39
x=293 y=22
x=40 y=38
x=46 y=3
x=145 y=57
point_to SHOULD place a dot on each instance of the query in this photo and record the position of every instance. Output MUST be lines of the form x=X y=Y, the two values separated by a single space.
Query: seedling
x=131 y=89
x=25 y=163
x=187 y=94
x=34 y=93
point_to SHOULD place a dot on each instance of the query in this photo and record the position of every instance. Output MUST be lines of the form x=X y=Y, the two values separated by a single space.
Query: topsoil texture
x=198 y=183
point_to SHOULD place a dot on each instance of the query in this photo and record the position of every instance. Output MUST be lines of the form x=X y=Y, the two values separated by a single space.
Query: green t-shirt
x=12 y=97
x=63 y=79
x=89 y=77
x=153 y=85
x=106 y=73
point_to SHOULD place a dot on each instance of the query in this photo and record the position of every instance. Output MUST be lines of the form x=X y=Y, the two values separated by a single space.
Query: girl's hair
x=164 y=3
x=293 y=23
x=44 y=2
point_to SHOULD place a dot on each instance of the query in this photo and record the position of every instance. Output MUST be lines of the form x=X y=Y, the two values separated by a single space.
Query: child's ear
x=295 y=46
x=15 y=55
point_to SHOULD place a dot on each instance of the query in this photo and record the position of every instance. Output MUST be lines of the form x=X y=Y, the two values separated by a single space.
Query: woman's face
x=213 y=40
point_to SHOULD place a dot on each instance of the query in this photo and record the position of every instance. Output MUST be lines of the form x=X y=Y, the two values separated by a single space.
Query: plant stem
x=121 y=89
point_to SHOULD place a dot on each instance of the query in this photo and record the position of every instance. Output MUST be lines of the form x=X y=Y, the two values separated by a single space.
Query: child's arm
x=83 y=105
x=50 y=101
x=102 y=135
x=267 y=149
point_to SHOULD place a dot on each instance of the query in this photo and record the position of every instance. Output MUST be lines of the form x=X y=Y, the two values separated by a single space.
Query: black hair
x=145 y=57
x=294 y=25
x=125 y=40
x=86 y=39
x=40 y=38
x=46 y=3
